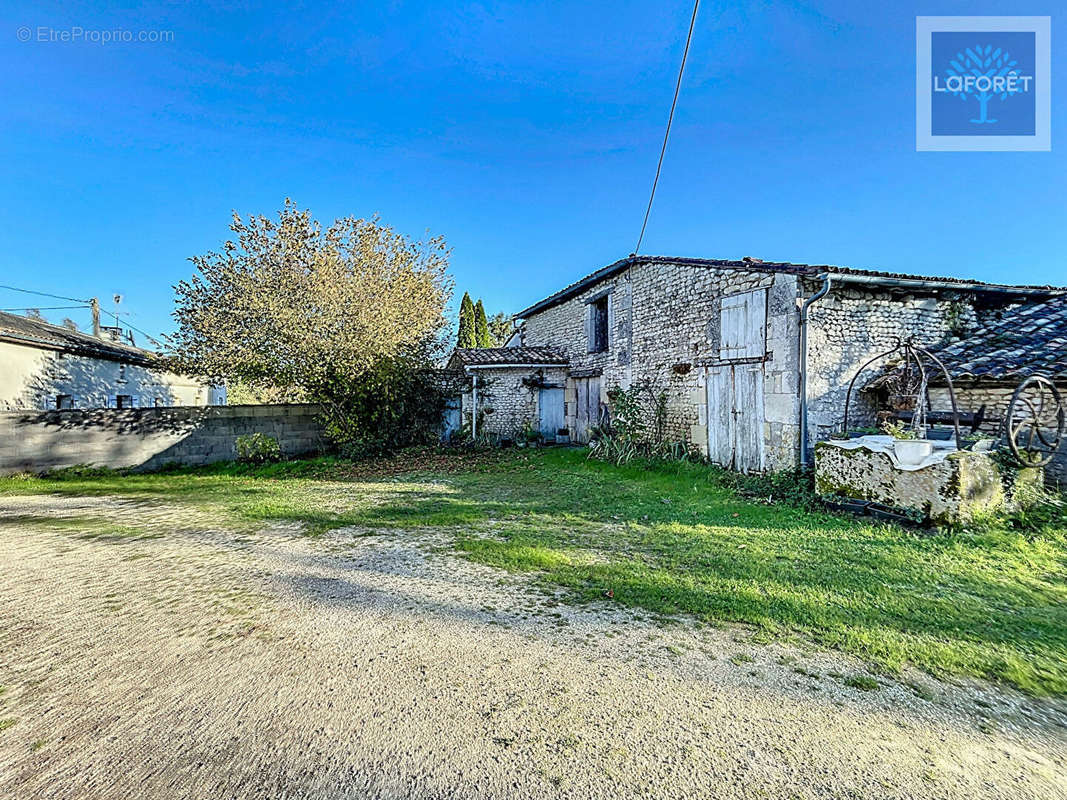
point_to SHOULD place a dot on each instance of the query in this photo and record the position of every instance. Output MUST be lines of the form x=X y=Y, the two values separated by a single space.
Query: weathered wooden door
x=735 y=416
x=587 y=407
x=550 y=410
x=451 y=421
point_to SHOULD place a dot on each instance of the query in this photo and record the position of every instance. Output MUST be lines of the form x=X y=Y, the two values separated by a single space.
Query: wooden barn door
x=587 y=407
x=735 y=416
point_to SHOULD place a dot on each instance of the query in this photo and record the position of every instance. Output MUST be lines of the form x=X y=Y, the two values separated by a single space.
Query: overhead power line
x=45 y=294
x=43 y=308
x=156 y=340
x=670 y=120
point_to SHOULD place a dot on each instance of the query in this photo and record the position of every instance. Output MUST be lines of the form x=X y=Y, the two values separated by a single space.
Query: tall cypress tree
x=467 y=337
x=481 y=326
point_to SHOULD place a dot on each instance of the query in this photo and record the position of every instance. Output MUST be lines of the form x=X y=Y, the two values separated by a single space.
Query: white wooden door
x=735 y=416
x=721 y=416
x=748 y=417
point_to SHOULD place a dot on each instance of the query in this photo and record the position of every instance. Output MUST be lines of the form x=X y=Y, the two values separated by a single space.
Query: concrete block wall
x=149 y=438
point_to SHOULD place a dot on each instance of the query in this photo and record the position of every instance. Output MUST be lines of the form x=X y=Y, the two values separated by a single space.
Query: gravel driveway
x=191 y=661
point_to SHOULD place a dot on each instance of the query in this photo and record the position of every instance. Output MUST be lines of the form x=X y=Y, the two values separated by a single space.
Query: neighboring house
x=725 y=340
x=45 y=366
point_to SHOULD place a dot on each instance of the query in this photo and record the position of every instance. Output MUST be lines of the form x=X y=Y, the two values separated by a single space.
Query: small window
x=122 y=372
x=64 y=401
x=598 y=325
x=124 y=401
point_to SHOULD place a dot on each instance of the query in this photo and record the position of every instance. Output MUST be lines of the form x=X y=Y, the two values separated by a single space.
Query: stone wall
x=851 y=326
x=996 y=400
x=962 y=487
x=505 y=403
x=663 y=327
x=148 y=438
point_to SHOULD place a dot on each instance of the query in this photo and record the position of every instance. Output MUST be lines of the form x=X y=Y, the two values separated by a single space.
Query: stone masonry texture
x=664 y=321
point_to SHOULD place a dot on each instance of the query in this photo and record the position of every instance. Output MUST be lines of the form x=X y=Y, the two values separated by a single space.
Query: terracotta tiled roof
x=1022 y=340
x=489 y=356
x=35 y=333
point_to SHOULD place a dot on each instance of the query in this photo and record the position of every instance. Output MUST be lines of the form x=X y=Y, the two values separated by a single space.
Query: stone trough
x=950 y=487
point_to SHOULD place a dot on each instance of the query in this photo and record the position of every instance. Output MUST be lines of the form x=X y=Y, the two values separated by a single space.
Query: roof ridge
x=755 y=265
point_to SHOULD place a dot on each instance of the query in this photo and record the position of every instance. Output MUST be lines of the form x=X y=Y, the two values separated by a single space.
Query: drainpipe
x=474 y=406
x=803 y=389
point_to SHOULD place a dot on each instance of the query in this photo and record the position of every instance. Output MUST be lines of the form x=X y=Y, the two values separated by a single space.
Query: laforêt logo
x=982 y=83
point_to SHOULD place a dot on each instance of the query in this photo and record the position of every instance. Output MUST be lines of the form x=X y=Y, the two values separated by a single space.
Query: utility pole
x=94 y=304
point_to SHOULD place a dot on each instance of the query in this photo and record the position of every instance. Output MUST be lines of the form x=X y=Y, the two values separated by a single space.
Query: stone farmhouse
x=755 y=356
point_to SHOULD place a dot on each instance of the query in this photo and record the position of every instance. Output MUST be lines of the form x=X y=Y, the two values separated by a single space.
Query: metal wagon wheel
x=1034 y=423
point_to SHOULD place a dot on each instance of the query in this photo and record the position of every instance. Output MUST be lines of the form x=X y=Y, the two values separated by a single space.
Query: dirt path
x=196 y=662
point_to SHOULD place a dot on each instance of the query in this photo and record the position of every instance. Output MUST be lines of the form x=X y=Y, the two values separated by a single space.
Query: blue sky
x=525 y=133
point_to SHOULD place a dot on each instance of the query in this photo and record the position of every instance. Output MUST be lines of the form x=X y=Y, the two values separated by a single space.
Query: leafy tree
x=70 y=324
x=468 y=337
x=311 y=311
x=481 y=326
x=35 y=313
x=501 y=329
x=239 y=393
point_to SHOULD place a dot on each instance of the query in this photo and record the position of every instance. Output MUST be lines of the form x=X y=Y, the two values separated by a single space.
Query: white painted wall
x=31 y=378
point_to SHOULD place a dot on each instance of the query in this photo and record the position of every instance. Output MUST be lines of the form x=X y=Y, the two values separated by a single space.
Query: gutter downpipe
x=474 y=406
x=803 y=388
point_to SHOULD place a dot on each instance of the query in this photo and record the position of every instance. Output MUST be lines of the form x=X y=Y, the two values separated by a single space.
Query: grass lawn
x=676 y=540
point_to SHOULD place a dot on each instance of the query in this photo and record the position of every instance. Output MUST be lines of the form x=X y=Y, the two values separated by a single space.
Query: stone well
x=952 y=487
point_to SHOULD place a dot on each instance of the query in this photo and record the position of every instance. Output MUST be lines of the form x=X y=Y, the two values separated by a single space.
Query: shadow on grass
x=674 y=540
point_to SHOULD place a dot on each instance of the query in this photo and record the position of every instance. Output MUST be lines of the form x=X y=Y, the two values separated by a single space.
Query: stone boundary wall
x=149 y=438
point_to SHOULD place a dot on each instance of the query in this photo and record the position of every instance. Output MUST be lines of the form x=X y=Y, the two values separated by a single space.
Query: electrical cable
x=45 y=294
x=670 y=120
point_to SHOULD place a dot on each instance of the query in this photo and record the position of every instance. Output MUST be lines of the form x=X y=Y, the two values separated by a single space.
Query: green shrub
x=258 y=448
x=636 y=428
x=395 y=403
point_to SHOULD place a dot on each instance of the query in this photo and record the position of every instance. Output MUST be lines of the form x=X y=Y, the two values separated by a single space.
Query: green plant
x=398 y=402
x=530 y=433
x=258 y=448
x=636 y=428
x=864 y=683
x=899 y=430
x=468 y=337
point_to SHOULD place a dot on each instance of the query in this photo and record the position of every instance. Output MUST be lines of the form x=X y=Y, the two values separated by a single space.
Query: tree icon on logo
x=984 y=73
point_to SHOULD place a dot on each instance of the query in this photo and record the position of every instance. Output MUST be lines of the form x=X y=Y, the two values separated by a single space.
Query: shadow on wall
x=149 y=438
x=90 y=382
